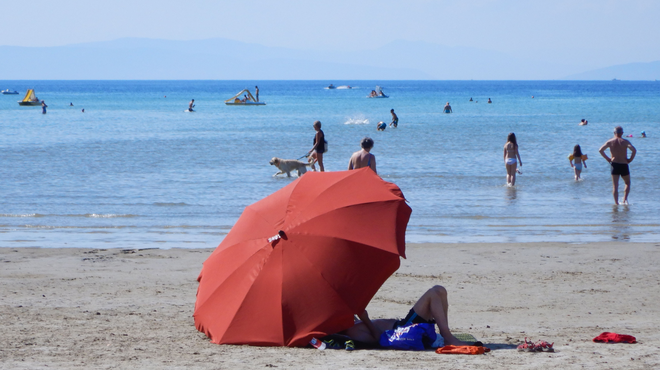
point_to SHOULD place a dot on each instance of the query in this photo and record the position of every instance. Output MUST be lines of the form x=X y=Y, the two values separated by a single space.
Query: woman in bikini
x=579 y=160
x=510 y=156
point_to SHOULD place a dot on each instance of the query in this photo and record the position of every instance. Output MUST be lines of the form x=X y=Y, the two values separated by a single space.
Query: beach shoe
x=543 y=346
x=332 y=344
x=350 y=345
x=527 y=347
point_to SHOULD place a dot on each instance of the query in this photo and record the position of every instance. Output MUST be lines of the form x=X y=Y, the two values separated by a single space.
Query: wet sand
x=76 y=308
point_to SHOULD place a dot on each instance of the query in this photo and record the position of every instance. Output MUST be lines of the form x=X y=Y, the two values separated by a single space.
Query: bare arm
x=633 y=152
x=571 y=162
x=375 y=332
x=518 y=155
x=505 y=153
x=350 y=164
x=602 y=151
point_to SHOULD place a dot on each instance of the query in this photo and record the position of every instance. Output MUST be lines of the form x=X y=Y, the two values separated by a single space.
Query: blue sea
x=136 y=171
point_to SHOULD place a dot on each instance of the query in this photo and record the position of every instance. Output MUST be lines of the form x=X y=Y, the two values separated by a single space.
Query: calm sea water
x=136 y=171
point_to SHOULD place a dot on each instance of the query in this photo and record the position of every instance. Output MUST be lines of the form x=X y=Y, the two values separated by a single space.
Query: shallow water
x=135 y=171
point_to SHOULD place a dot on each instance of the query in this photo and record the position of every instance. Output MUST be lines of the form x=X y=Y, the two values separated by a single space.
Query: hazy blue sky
x=600 y=32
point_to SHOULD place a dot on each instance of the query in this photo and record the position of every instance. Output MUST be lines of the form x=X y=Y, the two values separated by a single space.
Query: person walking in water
x=363 y=157
x=579 y=160
x=619 y=162
x=191 y=105
x=319 y=147
x=510 y=156
x=43 y=107
x=395 y=119
x=256 y=93
x=447 y=108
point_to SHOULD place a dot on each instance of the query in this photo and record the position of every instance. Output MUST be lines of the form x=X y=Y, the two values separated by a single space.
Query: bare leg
x=626 y=190
x=511 y=174
x=615 y=188
x=434 y=305
x=319 y=158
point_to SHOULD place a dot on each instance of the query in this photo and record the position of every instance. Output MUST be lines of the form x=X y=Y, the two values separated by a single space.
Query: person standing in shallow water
x=319 y=146
x=510 y=156
x=395 y=119
x=43 y=107
x=363 y=158
x=619 y=162
x=579 y=160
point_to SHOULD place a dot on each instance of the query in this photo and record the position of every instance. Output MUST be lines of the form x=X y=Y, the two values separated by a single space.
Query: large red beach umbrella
x=299 y=263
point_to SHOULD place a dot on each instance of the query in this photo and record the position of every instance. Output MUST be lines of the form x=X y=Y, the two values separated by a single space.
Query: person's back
x=363 y=158
x=619 y=150
x=510 y=150
x=619 y=162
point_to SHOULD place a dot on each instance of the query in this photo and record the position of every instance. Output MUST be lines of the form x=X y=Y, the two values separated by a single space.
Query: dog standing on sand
x=288 y=165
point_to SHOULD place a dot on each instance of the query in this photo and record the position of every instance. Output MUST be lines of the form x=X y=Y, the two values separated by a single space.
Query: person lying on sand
x=431 y=308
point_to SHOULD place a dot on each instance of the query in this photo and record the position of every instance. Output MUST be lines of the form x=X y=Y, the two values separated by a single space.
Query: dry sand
x=73 y=308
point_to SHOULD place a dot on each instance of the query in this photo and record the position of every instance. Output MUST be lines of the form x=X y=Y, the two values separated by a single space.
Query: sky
x=597 y=32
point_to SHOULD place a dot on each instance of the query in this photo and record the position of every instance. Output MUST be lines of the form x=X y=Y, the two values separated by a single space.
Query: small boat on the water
x=9 y=92
x=248 y=99
x=331 y=87
x=377 y=93
x=30 y=99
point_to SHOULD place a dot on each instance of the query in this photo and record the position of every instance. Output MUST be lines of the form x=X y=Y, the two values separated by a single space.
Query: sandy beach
x=77 y=308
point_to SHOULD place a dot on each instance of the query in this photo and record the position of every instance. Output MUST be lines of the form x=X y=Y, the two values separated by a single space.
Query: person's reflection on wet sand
x=620 y=223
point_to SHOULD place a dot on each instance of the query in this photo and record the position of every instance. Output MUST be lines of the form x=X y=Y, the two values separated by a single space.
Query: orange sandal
x=527 y=346
x=543 y=346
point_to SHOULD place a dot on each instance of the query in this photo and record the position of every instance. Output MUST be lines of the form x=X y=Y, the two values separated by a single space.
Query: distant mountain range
x=630 y=71
x=223 y=59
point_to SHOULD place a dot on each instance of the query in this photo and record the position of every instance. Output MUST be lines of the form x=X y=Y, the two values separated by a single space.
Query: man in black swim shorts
x=431 y=308
x=619 y=162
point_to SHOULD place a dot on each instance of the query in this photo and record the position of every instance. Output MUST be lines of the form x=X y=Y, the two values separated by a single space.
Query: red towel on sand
x=462 y=350
x=615 y=338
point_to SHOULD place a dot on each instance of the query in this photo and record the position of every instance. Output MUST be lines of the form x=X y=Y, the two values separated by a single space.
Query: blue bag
x=409 y=338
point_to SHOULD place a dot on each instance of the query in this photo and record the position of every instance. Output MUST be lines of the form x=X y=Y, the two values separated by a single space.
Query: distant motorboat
x=8 y=92
x=615 y=79
x=247 y=100
x=377 y=93
x=344 y=87
x=30 y=99
x=331 y=87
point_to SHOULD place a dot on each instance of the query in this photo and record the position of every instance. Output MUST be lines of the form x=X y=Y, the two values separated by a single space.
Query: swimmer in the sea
x=643 y=133
x=447 y=108
x=489 y=101
x=470 y=98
